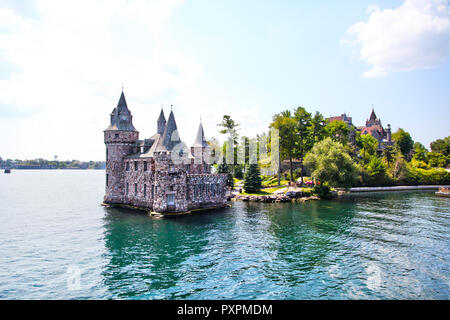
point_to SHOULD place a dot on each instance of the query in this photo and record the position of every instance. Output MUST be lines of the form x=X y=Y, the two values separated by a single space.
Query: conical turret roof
x=170 y=137
x=200 y=140
x=121 y=118
x=122 y=104
x=373 y=116
x=161 y=117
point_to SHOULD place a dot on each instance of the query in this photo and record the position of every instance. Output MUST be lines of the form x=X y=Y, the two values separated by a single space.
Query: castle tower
x=199 y=150
x=170 y=176
x=373 y=120
x=388 y=133
x=161 y=123
x=120 y=137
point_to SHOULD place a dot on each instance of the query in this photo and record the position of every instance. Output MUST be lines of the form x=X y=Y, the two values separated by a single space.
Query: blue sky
x=62 y=67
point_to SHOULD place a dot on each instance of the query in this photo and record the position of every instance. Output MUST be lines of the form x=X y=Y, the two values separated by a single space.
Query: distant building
x=373 y=127
x=343 y=117
x=348 y=120
x=143 y=174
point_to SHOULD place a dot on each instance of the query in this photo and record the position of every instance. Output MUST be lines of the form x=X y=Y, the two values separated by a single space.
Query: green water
x=381 y=246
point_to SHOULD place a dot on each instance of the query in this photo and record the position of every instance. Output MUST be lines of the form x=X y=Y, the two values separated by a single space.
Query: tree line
x=335 y=154
x=50 y=164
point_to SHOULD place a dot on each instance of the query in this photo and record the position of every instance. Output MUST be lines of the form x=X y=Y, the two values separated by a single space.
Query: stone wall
x=206 y=190
x=141 y=183
x=170 y=181
x=119 y=144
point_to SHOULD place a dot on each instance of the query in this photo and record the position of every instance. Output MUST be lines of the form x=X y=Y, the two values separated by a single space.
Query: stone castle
x=159 y=174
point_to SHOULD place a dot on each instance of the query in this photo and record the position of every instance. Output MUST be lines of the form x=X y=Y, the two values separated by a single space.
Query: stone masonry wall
x=141 y=183
x=118 y=145
x=206 y=190
x=170 y=181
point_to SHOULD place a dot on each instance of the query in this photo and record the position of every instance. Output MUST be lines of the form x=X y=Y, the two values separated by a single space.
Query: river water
x=58 y=242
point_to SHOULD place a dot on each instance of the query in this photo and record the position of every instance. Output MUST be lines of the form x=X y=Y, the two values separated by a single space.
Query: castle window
x=153 y=192
x=171 y=188
x=170 y=199
x=106 y=154
x=127 y=188
x=116 y=135
x=171 y=169
x=107 y=179
x=145 y=191
x=135 y=166
x=135 y=188
x=127 y=166
x=145 y=165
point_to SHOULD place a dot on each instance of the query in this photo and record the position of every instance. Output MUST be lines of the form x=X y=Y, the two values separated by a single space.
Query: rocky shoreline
x=290 y=196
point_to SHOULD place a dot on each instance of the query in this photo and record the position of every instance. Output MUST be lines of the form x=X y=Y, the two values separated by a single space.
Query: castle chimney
x=388 y=133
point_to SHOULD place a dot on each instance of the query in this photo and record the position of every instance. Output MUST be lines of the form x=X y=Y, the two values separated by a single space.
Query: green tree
x=441 y=146
x=368 y=144
x=230 y=127
x=436 y=159
x=252 y=179
x=389 y=153
x=420 y=152
x=330 y=163
x=238 y=171
x=338 y=131
x=285 y=123
x=318 y=127
x=404 y=141
x=304 y=139
x=375 y=167
x=377 y=172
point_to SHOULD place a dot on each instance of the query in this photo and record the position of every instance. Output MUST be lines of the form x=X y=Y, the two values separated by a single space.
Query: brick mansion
x=148 y=175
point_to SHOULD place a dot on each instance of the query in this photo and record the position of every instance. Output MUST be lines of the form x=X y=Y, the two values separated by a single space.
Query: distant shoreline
x=32 y=169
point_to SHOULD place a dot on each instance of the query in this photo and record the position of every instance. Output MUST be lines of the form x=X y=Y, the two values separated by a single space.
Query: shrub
x=322 y=191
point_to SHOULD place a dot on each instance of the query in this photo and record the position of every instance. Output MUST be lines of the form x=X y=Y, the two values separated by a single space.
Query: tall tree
x=318 y=124
x=285 y=123
x=230 y=127
x=404 y=141
x=304 y=139
x=389 y=153
x=338 y=131
x=420 y=152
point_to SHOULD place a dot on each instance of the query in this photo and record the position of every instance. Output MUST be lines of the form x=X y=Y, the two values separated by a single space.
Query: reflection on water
x=377 y=246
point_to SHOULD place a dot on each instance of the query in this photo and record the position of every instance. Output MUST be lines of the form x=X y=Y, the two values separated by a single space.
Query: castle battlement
x=142 y=173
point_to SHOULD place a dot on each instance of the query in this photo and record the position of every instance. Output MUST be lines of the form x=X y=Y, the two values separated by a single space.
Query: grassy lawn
x=264 y=191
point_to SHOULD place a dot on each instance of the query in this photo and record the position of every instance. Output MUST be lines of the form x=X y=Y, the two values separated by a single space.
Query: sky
x=63 y=65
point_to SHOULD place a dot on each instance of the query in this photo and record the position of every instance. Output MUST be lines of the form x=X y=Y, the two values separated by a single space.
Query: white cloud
x=70 y=63
x=415 y=35
x=71 y=60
